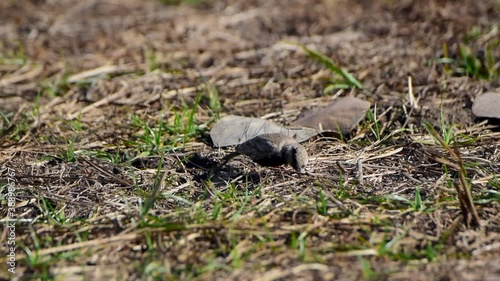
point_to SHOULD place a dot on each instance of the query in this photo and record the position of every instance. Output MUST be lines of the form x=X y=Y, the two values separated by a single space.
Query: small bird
x=273 y=150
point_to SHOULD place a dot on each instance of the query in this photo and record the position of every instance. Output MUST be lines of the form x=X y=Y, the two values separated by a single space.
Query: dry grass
x=104 y=113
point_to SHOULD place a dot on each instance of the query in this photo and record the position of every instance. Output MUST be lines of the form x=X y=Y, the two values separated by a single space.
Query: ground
x=105 y=113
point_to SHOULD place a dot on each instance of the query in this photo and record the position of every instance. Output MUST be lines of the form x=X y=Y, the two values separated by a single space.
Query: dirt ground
x=105 y=108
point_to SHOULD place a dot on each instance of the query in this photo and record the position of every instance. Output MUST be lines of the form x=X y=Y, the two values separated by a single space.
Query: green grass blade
x=328 y=63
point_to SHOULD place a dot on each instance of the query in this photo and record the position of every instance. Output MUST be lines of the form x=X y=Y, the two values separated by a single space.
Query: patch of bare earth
x=85 y=85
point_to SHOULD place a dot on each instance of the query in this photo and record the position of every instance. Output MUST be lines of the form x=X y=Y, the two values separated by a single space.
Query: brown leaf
x=341 y=116
x=487 y=105
x=233 y=130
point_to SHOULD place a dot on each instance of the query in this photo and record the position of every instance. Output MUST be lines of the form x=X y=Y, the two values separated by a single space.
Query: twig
x=469 y=211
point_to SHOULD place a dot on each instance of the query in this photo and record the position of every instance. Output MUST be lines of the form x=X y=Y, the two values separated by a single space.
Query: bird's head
x=296 y=156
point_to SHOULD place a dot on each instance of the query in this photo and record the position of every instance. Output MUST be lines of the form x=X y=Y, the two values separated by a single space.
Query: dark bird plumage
x=273 y=150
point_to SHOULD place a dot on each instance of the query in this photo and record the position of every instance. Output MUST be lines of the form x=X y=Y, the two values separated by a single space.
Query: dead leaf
x=487 y=105
x=233 y=130
x=340 y=117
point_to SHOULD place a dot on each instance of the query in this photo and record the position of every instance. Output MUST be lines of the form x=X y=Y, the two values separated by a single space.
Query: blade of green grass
x=329 y=63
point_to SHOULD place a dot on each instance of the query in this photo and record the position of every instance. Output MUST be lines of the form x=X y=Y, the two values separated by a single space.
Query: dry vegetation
x=105 y=108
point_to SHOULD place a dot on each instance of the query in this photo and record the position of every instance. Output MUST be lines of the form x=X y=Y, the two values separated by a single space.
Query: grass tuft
x=347 y=81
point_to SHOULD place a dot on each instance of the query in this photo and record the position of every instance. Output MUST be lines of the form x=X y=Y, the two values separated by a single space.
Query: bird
x=274 y=149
